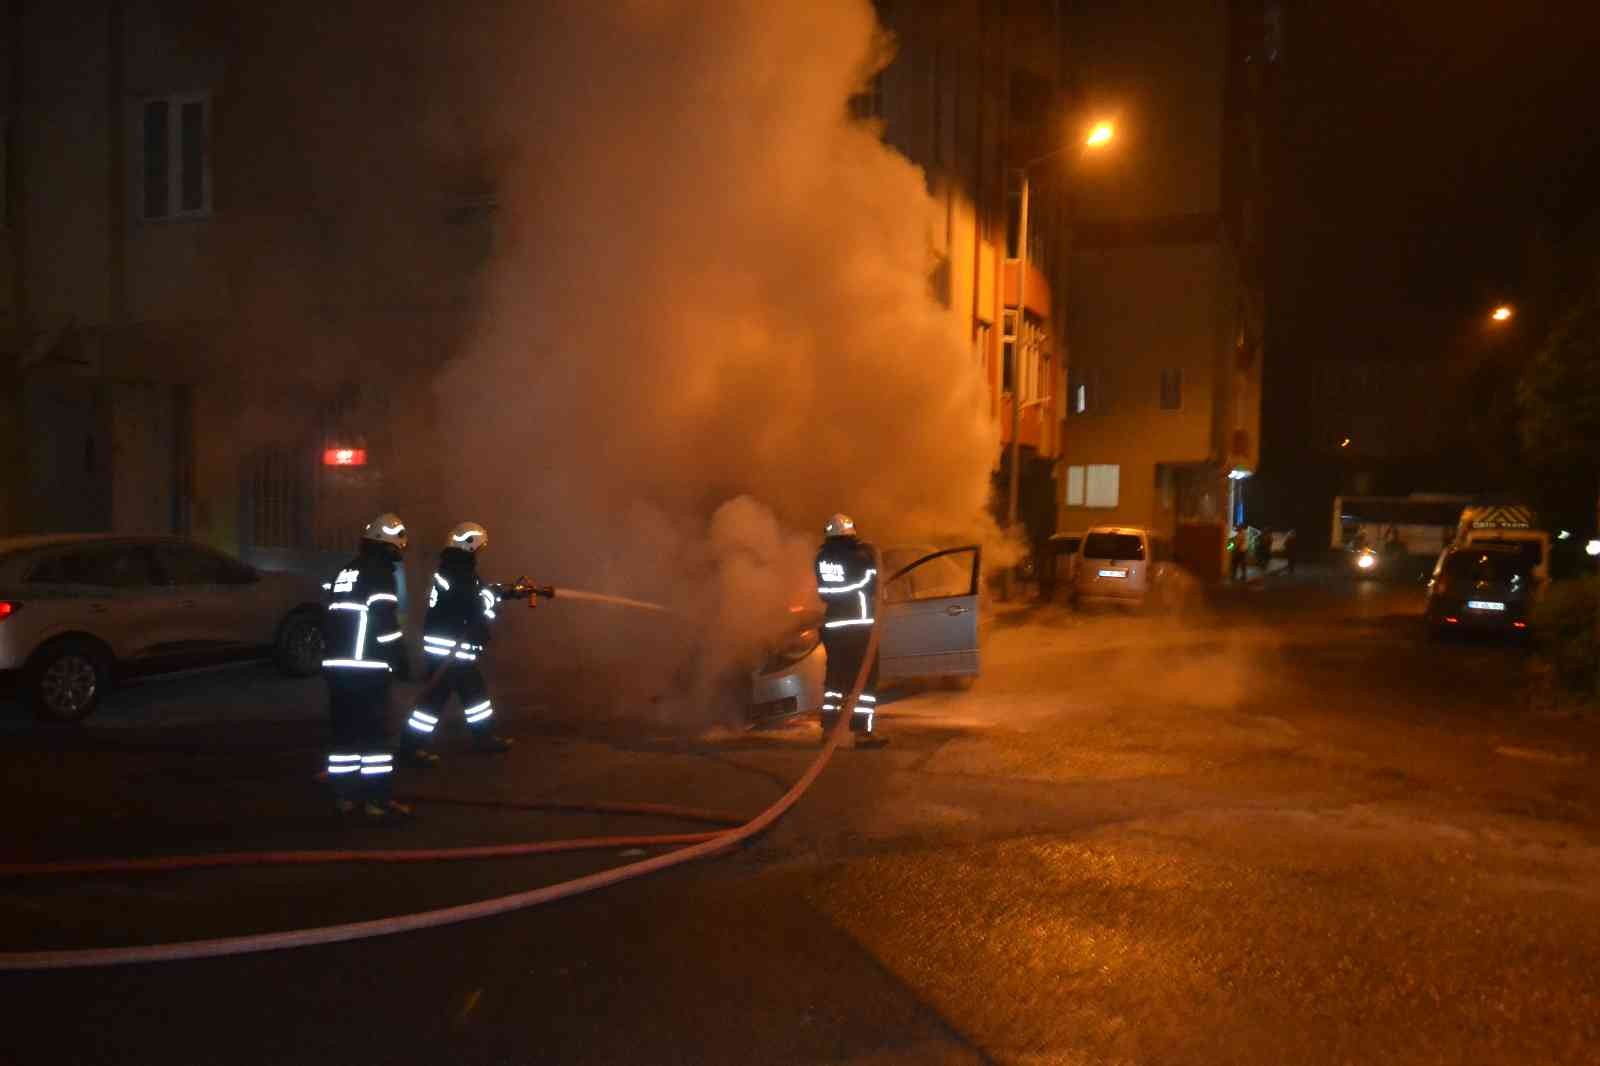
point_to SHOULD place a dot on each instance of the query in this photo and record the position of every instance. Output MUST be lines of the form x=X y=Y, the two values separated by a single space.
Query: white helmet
x=840 y=525
x=469 y=537
x=387 y=529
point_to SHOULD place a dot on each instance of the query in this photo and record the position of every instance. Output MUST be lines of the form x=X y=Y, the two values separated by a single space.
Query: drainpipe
x=117 y=169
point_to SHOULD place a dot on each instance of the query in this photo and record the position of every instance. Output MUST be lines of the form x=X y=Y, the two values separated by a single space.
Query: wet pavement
x=1285 y=827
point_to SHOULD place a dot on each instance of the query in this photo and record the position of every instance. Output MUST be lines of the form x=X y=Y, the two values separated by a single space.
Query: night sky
x=1422 y=142
x=1419 y=146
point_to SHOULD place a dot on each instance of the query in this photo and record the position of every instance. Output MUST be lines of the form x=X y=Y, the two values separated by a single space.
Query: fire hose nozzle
x=522 y=588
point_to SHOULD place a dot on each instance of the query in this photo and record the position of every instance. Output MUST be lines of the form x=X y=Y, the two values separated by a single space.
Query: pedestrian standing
x=1238 y=552
x=361 y=638
x=847 y=581
x=1290 y=549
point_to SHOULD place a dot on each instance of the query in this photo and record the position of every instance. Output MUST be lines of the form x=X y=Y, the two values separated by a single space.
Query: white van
x=1122 y=564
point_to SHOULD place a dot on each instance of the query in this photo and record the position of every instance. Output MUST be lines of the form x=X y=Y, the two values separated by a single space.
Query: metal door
x=929 y=617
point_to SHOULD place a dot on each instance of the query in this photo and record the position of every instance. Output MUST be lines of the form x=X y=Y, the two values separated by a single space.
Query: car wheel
x=65 y=680
x=299 y=648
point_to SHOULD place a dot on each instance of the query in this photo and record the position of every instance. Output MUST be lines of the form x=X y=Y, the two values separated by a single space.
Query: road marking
x=1536 y=755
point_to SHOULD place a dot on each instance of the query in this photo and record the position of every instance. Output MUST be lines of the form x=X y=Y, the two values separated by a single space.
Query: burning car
x=928 y=618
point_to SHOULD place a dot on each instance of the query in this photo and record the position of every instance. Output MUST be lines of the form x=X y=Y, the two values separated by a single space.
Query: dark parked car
x=1482 y=586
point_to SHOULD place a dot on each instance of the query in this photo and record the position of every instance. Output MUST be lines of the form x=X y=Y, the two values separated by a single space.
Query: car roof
x=1135 y=530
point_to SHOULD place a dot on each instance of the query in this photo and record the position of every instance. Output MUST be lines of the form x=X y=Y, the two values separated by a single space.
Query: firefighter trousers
x=361 y=759
x=846 y=647
x=464 y=681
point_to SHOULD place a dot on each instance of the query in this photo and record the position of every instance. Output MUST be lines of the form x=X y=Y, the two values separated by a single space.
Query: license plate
x=1113 y=573
x=1486 y=605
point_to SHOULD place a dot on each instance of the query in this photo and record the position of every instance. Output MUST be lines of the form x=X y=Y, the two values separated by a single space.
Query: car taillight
x=7 y=609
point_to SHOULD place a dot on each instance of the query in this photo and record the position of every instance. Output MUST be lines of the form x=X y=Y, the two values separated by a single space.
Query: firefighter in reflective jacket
x=361 y=639
x=460 y=608
x=847 y=581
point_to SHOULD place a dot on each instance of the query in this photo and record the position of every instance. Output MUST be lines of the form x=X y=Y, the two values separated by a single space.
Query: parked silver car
x=78 y=610
x=928 y=616
x=1132 y=566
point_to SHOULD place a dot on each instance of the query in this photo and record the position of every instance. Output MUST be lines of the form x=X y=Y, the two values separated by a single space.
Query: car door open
x=929 y=617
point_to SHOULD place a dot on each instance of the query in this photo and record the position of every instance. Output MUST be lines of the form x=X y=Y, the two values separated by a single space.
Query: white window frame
x=174 y=172
x=1102 y=485
x=1075 y=478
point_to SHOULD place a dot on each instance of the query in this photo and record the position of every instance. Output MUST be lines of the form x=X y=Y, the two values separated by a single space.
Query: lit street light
x=1099 y=136
x=1502 y=313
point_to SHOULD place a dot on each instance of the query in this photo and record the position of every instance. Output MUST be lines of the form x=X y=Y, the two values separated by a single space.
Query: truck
x=1507 y=523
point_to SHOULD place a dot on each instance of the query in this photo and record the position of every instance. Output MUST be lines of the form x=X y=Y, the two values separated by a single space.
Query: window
x=1171 y=390
x=1074 y=486
x=1125 y=546
x=1084 y=394
x=1008 y=351
x=112 y=566
x=177 y=173
x=1013 y=220
x=181 y=564
x=939 y=576
x=1100 y=484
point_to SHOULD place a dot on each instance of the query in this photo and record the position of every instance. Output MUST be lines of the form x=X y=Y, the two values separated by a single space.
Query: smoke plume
x=708 y=326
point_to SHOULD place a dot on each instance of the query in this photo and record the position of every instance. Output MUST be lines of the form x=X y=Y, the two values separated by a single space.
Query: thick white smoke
x=708 y=327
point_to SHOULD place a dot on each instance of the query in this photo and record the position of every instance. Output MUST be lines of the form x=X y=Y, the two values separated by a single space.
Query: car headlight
x=797 y=646
x=1366 y=561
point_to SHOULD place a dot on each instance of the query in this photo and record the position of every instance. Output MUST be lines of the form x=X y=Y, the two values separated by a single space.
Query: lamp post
x=1098 y=137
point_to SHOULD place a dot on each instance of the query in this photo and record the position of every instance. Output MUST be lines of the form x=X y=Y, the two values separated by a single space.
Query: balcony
x=1038 y=288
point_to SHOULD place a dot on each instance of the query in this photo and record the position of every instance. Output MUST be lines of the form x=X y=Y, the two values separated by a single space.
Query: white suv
x=77 y=610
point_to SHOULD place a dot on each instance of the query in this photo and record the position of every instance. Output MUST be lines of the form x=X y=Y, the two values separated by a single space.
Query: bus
x=1425 y=523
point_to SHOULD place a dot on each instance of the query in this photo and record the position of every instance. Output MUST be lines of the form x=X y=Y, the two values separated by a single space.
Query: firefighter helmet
x=387 y=529
x=840 y=525
x=469 y=537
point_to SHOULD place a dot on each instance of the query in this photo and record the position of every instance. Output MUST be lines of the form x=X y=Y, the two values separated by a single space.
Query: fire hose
x=697 y=846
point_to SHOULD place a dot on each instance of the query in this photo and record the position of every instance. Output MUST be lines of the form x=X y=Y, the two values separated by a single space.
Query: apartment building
x=1165 y=301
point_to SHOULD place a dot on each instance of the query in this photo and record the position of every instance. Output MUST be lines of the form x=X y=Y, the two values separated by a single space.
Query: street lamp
x=1502 y=313
x=1100 y=135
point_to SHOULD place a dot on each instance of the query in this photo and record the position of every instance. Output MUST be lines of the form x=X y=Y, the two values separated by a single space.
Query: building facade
x=1165 y=303
x=198 y=273
x=975 y=90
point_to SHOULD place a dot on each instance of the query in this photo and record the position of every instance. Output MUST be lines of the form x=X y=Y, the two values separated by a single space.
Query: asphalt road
x=1284 y=828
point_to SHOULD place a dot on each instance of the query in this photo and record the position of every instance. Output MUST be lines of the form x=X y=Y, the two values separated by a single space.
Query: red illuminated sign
x=344 y=457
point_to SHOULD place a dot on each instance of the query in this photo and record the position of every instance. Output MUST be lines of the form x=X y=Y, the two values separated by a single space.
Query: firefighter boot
x=387 y=811
x=490 y=744
x=417 y=758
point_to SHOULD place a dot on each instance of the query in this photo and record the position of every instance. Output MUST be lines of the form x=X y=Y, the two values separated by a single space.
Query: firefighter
x=847 y=581
x=361 y=639
x=460 y=608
